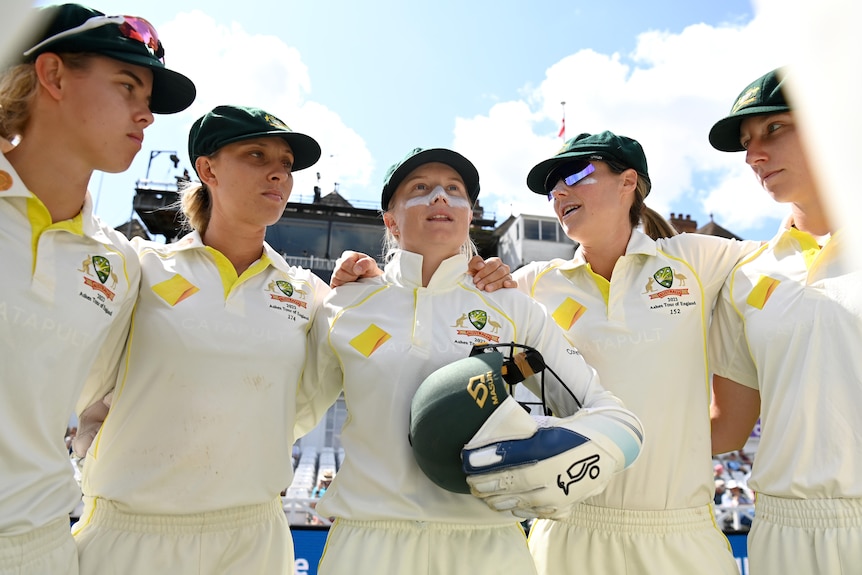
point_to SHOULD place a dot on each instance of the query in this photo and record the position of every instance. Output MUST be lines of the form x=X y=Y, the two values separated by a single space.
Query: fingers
x=491 y=274
x=343 y=272
x=352 y=266
x=505 y=483
x=345 y=269
x=527 y=504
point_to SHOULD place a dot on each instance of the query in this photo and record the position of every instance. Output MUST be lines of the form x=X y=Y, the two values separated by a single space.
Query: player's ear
x=630 y=179
x=50 y=71
x=391 y=224
x=204 y=168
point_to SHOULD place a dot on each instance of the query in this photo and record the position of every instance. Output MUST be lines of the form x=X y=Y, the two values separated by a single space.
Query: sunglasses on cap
x=570 y=174
x=131 y=27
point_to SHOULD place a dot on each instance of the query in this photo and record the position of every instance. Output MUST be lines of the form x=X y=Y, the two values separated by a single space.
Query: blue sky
x=371 y=80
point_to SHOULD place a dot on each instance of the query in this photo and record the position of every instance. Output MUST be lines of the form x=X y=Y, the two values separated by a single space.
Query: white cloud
x=267 y=73
x=666 y=94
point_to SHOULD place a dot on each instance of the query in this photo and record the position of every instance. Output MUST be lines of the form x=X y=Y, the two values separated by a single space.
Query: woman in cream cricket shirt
x=186 y=472
x=786 y=337
x=638 y=310
x=78 y=98
x=377 y=341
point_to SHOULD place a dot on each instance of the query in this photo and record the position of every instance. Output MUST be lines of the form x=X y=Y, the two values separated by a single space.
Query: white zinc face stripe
x=438 y=193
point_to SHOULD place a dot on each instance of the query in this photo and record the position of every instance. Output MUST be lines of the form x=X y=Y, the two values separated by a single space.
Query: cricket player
x=637 y=306
x=785 y=348
x=378 y=341
x=186 y=472
x=77 y=98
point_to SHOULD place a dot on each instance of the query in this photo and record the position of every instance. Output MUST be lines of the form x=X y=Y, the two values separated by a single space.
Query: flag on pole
x=562 y=133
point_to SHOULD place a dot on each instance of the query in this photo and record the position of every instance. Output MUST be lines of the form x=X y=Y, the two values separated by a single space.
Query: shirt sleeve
x=729 y=353
x=528 y=276
x=713 y=257
x=103 y=374
x=322 y=377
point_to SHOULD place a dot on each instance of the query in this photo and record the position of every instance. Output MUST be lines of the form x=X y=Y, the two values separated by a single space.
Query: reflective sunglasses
x=131 y=27
x=570 y=174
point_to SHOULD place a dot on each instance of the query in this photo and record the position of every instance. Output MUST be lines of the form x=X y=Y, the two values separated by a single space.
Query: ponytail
x=195 y=207
x=654 y=225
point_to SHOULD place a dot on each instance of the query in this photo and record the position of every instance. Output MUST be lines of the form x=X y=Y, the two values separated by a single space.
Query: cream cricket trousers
x=425 y=548
x=805 y=536
x=237 y=541
x=48 y=549
x=628 y=542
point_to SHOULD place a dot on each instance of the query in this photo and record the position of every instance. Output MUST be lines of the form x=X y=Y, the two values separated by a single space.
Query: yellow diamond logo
x=175 y=289
x=568 y=313
x=762 y=291
x=369 y=340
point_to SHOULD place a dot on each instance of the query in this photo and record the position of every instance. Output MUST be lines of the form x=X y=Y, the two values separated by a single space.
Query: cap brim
x=306 y=150
x=172 y=92
x=456 y=161
x=540 y=172
x=724 y=135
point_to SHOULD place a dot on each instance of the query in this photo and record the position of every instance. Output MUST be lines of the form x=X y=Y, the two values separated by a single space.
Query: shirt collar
x=791 y=238
x=11 y=186
x=193 y=241
x=190 y=241
x=639 y=243
x=405 y=269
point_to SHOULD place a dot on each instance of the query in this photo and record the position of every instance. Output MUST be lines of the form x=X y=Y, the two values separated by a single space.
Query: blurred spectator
x=736 y=496
x=322 y=484
x=71 y=432
x=295 y=454
x=720 y=490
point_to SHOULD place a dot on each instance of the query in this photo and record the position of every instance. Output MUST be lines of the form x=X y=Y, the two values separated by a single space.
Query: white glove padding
x=541 y=467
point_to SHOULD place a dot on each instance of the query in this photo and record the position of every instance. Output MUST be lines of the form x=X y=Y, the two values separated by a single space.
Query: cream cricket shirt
x=203 y=410
x=378 y=341
x=789 y=324
x=645 y=334
x=66 y=295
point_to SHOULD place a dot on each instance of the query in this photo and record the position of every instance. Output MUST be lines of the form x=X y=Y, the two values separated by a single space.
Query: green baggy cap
x=228 y=124
x=73 y=28
x=603 y=146
x=763 y=96
x=420 y=156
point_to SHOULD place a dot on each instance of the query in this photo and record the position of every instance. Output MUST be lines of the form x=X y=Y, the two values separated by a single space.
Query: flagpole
x=562 y=133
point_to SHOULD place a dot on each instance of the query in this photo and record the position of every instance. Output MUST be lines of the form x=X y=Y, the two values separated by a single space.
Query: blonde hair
x=391 y=246
x=195 y=206
x=18 y=88
x=195 y=203
x=655 y=226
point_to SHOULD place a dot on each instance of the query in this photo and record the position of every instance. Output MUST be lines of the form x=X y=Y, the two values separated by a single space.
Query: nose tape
x=433 y=195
